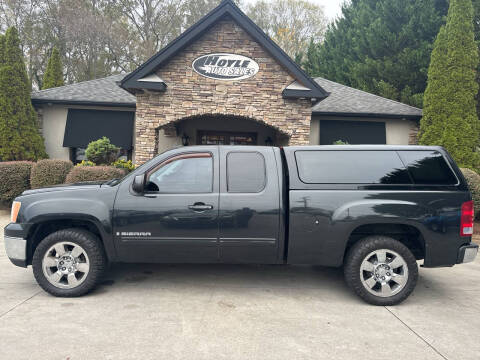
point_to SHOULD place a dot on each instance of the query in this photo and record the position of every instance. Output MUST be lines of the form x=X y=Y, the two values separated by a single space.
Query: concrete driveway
x=237 y=312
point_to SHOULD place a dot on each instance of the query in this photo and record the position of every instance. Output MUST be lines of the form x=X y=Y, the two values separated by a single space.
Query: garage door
x=353 y=132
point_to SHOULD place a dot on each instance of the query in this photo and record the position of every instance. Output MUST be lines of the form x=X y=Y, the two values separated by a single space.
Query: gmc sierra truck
x=376 y=210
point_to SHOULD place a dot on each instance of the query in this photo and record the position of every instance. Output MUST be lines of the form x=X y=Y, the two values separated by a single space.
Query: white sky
x=332 y=7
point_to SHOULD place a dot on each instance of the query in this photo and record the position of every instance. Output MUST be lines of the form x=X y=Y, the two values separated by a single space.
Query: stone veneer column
x=145 y=143
x=413 y=136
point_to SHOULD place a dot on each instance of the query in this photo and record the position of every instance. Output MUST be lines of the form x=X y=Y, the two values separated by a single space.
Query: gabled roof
x=342 y=101
x=225 y=8
x=347 y=101
x=98 y=92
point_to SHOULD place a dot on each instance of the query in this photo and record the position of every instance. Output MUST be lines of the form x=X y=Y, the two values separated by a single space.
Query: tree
x=450 y=117
x=380 y=46
x=53 y=76
x=20 y=138
x=290 y=23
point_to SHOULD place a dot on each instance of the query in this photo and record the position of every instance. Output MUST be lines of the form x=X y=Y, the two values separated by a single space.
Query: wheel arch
x=45 y=227
x=407 y=234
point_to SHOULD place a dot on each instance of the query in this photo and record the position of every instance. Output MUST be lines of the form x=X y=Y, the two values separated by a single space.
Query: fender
x=92 y=204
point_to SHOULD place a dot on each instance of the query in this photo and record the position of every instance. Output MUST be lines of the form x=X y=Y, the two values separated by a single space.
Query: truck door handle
x=199 y=206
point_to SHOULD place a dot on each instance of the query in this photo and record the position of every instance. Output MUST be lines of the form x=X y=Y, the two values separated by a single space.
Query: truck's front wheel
x=381 y=270
x=69 y=262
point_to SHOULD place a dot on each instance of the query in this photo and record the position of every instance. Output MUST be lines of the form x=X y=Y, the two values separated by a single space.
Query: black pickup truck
x=376 y=210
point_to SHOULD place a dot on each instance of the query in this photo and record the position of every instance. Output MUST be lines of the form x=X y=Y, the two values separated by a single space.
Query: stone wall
x=188 y=93
x=413 y=136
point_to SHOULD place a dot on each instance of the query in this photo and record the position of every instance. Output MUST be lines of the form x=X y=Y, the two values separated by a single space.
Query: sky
x=332 y=7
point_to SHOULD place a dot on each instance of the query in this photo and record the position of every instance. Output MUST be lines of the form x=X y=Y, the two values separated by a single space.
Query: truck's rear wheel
x=381 y=270
x=69 y=262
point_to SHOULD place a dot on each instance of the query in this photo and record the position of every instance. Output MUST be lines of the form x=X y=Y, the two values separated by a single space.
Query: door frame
x=227 y=135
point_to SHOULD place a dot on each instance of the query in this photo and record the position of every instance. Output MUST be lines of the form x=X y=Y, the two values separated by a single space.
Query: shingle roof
x=104 y=91
x=346 y=100
x=342 y=99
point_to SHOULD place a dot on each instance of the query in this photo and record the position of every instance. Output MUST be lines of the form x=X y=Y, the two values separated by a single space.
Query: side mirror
x=138 y=184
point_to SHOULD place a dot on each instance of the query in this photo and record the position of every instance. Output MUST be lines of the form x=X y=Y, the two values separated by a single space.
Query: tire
x=377 y=281
x=74 y=272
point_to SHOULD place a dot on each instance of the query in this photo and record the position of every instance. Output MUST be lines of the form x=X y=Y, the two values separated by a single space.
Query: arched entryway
x=209 y=129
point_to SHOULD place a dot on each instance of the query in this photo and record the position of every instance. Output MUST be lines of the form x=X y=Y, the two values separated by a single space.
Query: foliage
x=102 y=151
x=14 y=179
x=473 y=180
x=20 y=137
x=49 y=172
x=2 y=49
x=124 y=164
x=449 y=117
x=380 y=46
x=290 y=23
x=93 y=173
x=53 y=76
x=340 y=142
x=86 y=163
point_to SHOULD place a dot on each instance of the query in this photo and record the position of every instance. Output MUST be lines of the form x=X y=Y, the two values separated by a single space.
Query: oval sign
x=224 y=66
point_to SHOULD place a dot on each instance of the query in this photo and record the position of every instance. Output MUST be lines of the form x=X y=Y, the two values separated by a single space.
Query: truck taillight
x=466 y=219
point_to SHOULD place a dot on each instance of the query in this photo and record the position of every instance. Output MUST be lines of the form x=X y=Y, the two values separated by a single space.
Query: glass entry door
x=225 y=138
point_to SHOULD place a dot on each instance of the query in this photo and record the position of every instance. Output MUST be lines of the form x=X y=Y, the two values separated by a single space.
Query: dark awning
x=85 y=126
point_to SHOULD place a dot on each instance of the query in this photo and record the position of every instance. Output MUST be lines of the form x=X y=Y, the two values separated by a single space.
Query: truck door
x=176 y=219
x=249 y=205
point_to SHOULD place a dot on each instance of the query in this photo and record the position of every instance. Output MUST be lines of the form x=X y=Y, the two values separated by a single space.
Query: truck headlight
x=15 y=210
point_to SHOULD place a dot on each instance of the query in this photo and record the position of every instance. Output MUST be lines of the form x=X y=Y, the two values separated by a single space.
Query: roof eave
x=83 y=103
x=367 y=115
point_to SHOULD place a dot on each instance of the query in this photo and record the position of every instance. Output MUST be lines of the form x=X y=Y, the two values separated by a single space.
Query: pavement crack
x=19 y=304
x=417 y=334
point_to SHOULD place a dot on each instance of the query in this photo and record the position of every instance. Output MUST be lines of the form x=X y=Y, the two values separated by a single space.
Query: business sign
x=224 y=66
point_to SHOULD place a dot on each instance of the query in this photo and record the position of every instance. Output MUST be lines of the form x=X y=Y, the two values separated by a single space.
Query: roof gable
x=226 y=8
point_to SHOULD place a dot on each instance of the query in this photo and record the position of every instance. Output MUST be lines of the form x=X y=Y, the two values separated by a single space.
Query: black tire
x=360 y=251
x=96 y=255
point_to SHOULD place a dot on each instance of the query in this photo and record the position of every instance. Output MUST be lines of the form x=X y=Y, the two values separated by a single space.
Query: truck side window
x=187 y=173
x=351 y=167
x=246 y=172
x=427 y=167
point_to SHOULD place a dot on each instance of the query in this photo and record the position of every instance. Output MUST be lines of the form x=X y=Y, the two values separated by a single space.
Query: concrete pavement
x=237 y=312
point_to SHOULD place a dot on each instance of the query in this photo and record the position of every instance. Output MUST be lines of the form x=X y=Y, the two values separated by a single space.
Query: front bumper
x=14 y=237
x=467 y=253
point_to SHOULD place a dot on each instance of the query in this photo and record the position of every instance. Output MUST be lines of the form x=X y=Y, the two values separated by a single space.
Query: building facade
x=223 y=81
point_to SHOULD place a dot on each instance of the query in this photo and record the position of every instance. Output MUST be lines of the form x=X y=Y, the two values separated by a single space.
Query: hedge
x=93 y=173
x=473 y=180
x=14 y=179
x=49 y=172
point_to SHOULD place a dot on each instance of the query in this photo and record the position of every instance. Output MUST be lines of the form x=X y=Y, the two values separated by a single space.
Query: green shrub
x=124 y=164
x=102 y=151
x=340 y=142
x=49 y=172
x=473 y=180
x=86 y=163
x=93 y=173
x=14 y=179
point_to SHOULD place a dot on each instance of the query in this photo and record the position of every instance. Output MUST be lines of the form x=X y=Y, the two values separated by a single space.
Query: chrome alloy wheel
x=383 y=273
x=65 y=265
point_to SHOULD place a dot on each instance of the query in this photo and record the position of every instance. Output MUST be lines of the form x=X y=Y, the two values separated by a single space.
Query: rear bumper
x=467 y=253
x=14 y=237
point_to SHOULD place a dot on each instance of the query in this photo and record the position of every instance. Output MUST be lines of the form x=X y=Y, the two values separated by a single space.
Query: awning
x=85 y=126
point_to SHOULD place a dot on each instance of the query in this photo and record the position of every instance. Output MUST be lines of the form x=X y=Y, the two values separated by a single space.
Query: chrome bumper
x=16 y=248
x=467 y=253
